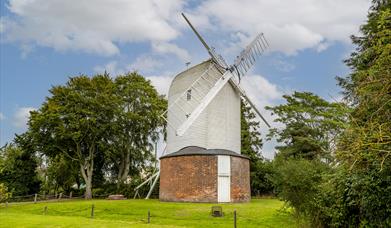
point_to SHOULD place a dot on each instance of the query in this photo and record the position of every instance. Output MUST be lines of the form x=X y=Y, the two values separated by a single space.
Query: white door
x=223 y=178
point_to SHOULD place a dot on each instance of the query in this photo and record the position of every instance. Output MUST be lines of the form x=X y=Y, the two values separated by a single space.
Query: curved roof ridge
x=196 y=150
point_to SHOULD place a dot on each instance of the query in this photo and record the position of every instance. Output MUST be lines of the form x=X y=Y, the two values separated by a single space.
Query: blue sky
x=44 y=42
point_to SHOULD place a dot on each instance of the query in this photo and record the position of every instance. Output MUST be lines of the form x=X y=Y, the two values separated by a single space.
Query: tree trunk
x=126 y=167
x=87 y=170
x=123 y=168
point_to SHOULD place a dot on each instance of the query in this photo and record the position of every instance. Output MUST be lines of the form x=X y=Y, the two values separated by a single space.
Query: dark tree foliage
x=75 y=121
x=18 y=167
x=251 y=145
x=307 y=137
x=358 y=195
x=62 y=173
x=311 y=125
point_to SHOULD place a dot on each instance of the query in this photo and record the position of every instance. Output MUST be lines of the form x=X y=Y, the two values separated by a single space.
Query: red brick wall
x=188 y=178
x=193 y=178
x=240 y=180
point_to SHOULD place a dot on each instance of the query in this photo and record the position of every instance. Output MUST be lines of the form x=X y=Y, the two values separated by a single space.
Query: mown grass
x=133 y=213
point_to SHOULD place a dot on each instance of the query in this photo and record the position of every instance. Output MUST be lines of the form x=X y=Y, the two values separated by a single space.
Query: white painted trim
x=223 y=179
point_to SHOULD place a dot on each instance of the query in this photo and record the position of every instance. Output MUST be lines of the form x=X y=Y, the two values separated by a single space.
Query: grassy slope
x=258 y=213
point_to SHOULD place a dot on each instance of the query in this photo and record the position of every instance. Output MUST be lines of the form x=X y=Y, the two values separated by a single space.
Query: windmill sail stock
x=211 y=81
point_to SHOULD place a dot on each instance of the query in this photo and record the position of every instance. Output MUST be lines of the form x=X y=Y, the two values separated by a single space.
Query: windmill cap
x=196 y=150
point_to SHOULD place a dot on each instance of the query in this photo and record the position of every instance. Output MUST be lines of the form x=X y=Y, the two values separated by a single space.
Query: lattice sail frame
x=217 y=74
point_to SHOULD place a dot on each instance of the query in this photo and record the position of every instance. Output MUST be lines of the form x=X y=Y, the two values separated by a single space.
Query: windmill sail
x=202 y=91
x=247 y=57
x=216 y=57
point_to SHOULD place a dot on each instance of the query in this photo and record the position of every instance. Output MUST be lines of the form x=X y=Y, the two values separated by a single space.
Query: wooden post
x=35 y=198
x=70 y=195
x=149 y=216
x=92 y=211
x=45 y=210
x=234 y=218
x=60 y=196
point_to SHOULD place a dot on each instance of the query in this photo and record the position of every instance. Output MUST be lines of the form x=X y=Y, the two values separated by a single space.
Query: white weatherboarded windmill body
x=202 y=162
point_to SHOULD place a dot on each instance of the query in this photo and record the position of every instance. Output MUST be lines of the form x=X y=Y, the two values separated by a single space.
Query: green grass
x=133 y=213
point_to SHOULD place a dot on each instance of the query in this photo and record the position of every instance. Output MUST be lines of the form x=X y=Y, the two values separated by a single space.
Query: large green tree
x=358 y=195
x=307 y=137
x=75 y=121
x=367 y=142
x=310 y=126
x=137 y=124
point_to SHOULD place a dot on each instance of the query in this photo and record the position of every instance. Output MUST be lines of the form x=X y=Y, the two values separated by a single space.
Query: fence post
x=149 y=216
x=70 y=195
x=45 y=210
x=234 y=218
x=92 y=211
x=35 y=198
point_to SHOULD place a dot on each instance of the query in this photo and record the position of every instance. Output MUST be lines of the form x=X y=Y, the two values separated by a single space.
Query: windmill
x=202 y=161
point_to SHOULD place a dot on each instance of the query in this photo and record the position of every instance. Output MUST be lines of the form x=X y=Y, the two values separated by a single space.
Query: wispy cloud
x=21 y=116
x=98 y=26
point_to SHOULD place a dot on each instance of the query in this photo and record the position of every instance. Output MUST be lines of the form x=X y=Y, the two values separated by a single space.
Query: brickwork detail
x=188 y=179
x=240 y=180
x=193 y=178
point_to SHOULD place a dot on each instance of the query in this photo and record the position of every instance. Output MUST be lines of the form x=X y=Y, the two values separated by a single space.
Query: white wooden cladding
x=223 y=178
x=217 y=127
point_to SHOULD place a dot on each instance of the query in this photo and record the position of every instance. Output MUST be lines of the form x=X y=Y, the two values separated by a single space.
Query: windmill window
x=188 y=95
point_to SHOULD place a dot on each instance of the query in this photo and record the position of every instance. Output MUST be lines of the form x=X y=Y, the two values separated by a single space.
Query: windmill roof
x=195 y=150
x=191 y=68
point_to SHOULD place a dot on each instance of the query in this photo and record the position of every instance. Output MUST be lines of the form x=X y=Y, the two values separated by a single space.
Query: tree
x=311 y=125
x=18 y=168
x=367 y=141
x=63 y=173
x=137 y=124
x=358 y=194
x=75 y=121
x=251 y=145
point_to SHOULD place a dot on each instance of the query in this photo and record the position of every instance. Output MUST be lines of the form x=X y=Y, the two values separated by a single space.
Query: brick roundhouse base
x=192 y=177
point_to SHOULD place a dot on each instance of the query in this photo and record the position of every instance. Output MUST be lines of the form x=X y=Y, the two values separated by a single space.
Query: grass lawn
x=133 y=213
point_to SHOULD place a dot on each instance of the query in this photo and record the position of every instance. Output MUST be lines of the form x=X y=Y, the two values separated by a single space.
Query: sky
x=44 y=42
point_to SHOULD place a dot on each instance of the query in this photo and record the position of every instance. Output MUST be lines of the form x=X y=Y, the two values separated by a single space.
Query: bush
x=297 y=182
x=355 y=199
x=4 y=194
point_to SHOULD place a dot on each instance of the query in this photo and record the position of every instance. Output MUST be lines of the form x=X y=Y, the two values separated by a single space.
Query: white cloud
x=94 y=26
x=168 y=48
x=145 y=64
x=263 y=93
x=98 y=26
x=2 y=116
x=161 y=83
x=289 y=26
x=282 y=65
x=111 y=67
x=21 y=116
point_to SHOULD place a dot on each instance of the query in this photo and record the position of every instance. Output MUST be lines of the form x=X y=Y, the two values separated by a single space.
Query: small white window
x=188 y=95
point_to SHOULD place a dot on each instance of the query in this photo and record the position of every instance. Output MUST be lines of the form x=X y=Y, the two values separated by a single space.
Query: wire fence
x=34 y=198
x=82 y=210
